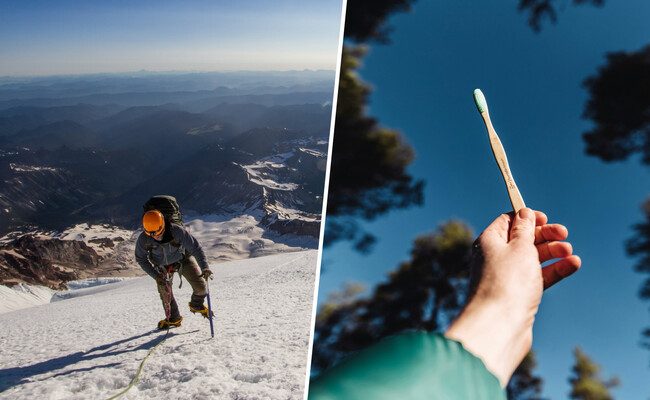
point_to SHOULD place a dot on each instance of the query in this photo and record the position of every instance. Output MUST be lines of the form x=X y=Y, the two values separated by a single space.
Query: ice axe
x=207 y=286
x=499 y=153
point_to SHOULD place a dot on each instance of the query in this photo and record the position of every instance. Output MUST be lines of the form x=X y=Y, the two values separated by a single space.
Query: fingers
x=523 y=226
x=557 y=271
x=207 y=274
x=550 y=250
x=550 y=232
x=540 y=218
x=547 y=241
x=499 y=229
x=497 y=232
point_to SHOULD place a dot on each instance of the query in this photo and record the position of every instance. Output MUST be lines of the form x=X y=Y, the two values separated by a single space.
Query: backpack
x=168 y=206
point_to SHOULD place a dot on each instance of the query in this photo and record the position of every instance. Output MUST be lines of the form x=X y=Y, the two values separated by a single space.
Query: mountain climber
x=165 y=247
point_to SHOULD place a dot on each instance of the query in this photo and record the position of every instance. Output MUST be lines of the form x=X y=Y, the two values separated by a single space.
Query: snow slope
x=230 y=238
x=22 y=296
x=89 y=347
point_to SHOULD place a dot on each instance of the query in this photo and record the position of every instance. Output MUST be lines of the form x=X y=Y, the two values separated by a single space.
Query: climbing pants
x=190 y=270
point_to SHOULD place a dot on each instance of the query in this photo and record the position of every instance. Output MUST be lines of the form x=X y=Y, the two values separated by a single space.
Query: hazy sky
x=71 y=37
x=423 y=85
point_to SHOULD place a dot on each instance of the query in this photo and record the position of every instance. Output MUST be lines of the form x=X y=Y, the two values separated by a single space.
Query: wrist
x=497 y=334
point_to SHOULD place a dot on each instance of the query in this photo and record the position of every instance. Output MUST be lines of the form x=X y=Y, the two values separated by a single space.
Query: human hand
x=508 y=255
x=496 y=324
x=207 y=274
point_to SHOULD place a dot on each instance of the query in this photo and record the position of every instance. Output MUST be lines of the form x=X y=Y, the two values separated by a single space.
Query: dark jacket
x=176 y=244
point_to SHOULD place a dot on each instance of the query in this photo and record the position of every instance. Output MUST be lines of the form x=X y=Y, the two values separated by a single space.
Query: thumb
x=523 y=227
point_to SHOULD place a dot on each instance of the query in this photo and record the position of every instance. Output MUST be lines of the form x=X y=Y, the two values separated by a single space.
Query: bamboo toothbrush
x=499 y=153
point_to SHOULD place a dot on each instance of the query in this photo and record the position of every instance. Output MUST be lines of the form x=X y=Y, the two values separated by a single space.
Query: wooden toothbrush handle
x=502 y=160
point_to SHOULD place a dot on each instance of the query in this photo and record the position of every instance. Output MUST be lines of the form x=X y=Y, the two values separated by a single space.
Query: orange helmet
x=153 y=223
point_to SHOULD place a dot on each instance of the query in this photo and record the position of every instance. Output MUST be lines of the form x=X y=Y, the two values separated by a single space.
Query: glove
x=207 y=274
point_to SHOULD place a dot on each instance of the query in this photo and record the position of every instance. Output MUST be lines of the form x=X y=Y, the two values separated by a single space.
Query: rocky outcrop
x=296 y=227
x=45 y=261
x=106 y=243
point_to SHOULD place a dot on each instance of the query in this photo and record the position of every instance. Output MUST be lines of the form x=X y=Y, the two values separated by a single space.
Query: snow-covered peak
x=100 y=237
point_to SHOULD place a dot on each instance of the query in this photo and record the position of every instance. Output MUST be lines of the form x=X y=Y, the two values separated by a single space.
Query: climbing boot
x=202 y=309
x=170 y=323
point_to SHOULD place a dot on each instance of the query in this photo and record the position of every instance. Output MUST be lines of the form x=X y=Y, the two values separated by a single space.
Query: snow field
x=22 y=296
x=90 y=233
x=89 y=347
x=262 y=172
x=85 y=287
x=227 y=238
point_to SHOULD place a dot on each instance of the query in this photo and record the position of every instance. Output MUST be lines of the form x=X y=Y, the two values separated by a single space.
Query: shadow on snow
x=10 y=377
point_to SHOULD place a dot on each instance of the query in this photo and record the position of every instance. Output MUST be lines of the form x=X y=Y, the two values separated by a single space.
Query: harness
x=175 y=267
x=167 y=270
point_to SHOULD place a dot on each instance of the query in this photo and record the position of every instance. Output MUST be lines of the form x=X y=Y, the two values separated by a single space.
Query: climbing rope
x=167 y=306
x=137 y=374
x=136 y=378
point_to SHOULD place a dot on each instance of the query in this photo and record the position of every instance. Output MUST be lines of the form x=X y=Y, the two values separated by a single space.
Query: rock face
x=296 y=227
x=45 y=261
x=104 y=242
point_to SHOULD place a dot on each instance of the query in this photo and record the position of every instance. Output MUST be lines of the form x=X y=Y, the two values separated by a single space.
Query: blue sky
x=73 y=37
x=423 y=84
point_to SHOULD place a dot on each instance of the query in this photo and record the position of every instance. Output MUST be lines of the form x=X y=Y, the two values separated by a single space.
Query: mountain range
x=79 y=156
x=96 y=154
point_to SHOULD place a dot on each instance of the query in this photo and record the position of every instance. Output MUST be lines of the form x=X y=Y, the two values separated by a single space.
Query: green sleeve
x=415 y=365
